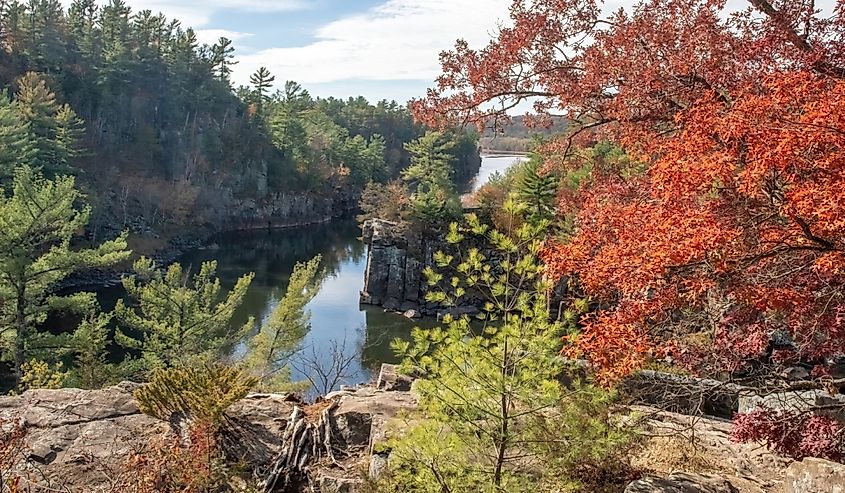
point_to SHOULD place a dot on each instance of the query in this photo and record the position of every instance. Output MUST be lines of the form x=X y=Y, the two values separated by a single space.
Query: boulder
x=391 y=304
x=329 y=483
x=794 y=402
x=815 y=476
x=681 y=483
x=378 y=466
x=682 y=394
x=390 y=379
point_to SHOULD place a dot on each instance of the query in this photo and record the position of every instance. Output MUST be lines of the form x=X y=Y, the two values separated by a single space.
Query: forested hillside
x=148 y=119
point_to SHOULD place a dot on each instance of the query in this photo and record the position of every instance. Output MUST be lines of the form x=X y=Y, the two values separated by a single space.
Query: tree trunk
x=305 y=441
x=20 y=334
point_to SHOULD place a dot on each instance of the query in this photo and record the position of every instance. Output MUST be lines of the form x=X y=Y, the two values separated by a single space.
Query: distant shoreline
x=497 y=153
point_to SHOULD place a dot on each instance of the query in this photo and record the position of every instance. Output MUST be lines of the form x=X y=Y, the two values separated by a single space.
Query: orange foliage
x=170 y=466
x=730 y=246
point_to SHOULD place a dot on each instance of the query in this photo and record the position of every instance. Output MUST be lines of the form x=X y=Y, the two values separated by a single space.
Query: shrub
x=796 y=435
x=199 y=394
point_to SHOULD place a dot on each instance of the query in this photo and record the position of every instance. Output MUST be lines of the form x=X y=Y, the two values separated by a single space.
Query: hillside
x=161 y=141
x=518 y=135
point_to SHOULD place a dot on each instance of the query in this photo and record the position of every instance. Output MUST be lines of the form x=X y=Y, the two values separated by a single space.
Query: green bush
x=199 y=394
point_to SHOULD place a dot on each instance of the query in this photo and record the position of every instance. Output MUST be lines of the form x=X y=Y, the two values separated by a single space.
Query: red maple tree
x=725 y=249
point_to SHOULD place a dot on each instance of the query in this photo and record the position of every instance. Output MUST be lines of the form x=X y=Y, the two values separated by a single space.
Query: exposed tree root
x=307 y=439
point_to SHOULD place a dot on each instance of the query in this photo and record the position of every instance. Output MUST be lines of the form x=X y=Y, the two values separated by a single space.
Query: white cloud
x=398 y=40
x=198 y=13
x=210 y=36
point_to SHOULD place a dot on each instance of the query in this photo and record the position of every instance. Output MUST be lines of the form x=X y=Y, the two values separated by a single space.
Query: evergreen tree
x=538 y=191
x=434 y=200
x=44 y=28
x=69 y=133
x=278 y=339
x=495 y=416
x=115 y=28
x=262 y=81
x=54 y=129
x=178 y=323
x=16 y=148
x=482 y=385
x=37 y=222
x=222 y=54
x=430 y=162
x=89 y=346
x=82 y=24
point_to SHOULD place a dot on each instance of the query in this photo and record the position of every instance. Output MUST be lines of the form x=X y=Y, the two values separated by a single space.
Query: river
x=363 y=332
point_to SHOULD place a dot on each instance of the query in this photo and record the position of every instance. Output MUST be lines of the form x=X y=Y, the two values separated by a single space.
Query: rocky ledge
x=396 y=258
x=79 y=441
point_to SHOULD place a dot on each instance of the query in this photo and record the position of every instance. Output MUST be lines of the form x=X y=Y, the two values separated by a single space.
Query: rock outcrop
x=815 y=476
x=396 y=259
x=79 y=441
x=681 y=483
x=397 y=256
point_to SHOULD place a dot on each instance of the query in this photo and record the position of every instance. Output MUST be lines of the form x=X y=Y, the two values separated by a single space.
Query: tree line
x=147 y=118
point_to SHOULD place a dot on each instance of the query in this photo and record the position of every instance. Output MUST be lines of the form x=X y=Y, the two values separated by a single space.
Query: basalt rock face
x=286 y=210
x=397 y=257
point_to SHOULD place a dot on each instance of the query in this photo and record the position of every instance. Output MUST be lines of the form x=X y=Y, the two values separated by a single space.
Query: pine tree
x=222 y=54
x=69 y=132
x=37 y=222
x=263 y=81
x=434 y=200
x=82 y=24
x=536 y=190
x=430 y=162
x=275 y=343
x=54 y=129
x=45 y=28
x=178 y=323
x=115 y=29
x=16 y=148
x=89 y=345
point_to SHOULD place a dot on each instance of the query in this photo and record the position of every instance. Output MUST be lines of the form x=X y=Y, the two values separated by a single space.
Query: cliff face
x=286 y=209
x=395 y=261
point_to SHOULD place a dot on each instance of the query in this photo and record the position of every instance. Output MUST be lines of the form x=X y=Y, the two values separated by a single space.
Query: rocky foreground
x=79 y=441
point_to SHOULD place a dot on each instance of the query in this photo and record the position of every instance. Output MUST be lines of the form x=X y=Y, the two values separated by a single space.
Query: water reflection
x=335 y=313
x=493 y=164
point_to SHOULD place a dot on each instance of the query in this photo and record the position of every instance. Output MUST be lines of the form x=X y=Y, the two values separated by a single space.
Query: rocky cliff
x=396 y=258
x=79 y=441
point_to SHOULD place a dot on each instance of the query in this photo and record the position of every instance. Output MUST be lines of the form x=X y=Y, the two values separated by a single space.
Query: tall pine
x=38 y=220
x=16 y=146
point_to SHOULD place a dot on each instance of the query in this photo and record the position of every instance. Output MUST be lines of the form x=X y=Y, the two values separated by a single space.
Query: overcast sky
x=381 y=49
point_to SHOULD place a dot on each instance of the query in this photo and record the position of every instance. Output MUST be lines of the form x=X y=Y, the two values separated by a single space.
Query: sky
x=380 y=49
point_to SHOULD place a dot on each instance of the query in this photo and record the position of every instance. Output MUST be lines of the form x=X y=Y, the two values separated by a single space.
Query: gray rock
x=408 y=305
x=390 y=379
x=352 y=428
x=682 y=394
x=392 y=304
x=681 y=483
x=815 y=476
x=794 y=402
x=795 y=373
x=328 y=483
x=378 y=466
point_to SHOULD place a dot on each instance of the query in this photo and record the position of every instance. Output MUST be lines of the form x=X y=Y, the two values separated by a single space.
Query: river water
x=337 y=318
